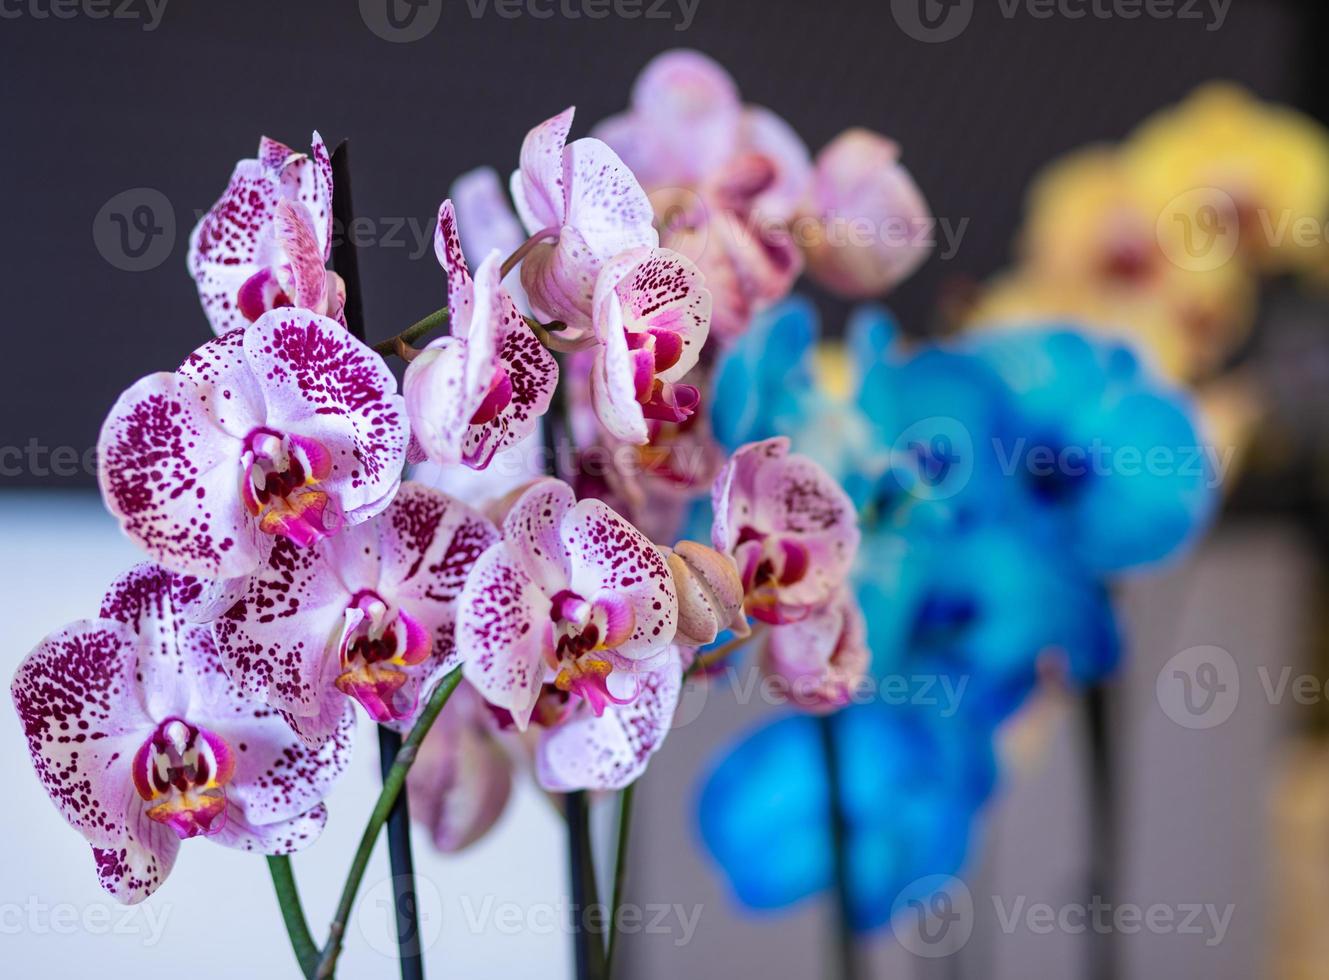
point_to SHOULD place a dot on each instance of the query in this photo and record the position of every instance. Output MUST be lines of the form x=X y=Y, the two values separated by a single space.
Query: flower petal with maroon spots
x=369 y=615
x=288 y=428
x=141 y=741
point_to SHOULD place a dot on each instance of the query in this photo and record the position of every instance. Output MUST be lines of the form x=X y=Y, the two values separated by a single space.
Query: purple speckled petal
x=133 y=868
x=462 y=777
x=613 y=384
x=538 y=188
x=321 y=383
x=281 y=837
x=78 y=702
x=295 y=232
x=611 y=751
x=232 y=242
x=171 y=476
x=275 y=642
x=501 y=625
x=609 y=555
x=559 y=279
x=533 y=529
x=666 y=292
x=823 y=658
x=231 y=393
x=437 y=400
x=605 y=203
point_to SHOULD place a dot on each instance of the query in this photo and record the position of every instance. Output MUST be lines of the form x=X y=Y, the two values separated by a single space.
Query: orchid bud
x=873 y=225
x=710 y=593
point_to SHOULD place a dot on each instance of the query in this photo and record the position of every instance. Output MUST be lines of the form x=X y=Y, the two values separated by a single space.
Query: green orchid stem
x=412 y=333
x=587 y=942
x=293 y=914
x=843 y=940
x=393 y=783
x=620 y=872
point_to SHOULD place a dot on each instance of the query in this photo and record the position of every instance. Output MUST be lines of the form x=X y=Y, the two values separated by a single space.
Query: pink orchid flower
x=821 y=660
x=610 y=749
x=875 y=228
x=369 y=614
x=485 y=387
x=141 y=741
x=265 y=243
x=462 y=776
x=589 y=206
x=571 y=594
x=725 y=180
x=652 y=316
x=290 y=427
x=790 y=528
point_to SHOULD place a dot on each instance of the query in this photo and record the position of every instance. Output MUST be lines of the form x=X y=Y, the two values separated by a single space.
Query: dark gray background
x=93 y=108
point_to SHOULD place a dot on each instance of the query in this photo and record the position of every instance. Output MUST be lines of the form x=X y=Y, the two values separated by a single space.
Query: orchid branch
x=713 y=658
x=393 y=783
x=412 y=333
x=292 y=913
x=625 y=798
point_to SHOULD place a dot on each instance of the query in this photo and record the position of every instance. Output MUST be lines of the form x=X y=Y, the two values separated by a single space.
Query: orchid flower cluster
x=295 y=575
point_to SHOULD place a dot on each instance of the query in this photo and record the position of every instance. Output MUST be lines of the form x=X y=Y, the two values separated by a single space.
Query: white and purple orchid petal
x=462 y=776
x=136 y=865
x=613 y=563
x=539 y=187
x=486 y=222
x=277 y=776
x=324 y=384
x=281 y=837
x=232 y=242
x=533 y=529
x=171 y=476
x=448 y=251
x=688 y=109
x=606 y=205
x=437 y=402
x=305 y=179
x=666 y=298
x=610 y=751
x=614 y=378
x=859 y=178
x=430 y=542
x=821 y=660
x=764 y=133
x=500 y=632
x=274 y=642
x=295 y=233
x=232 y=395
x=78 y=701
x=559 y=280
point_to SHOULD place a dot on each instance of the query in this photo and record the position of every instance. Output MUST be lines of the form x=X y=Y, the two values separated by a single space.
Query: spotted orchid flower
x=141 y=741
x=462 y=776
x=790 y=528
x=265 y=243
x=485 y=387
x=369 y=615
x=571 y=595
x=586 y=202
x=289 y=428
x=821 y=660
x=652 y=315
x=610 y=749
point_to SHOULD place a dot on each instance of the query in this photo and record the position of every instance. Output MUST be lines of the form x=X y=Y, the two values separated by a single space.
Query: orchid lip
x=582 y=632
x=377 y=644
x=279 y=476
x=497 y=398
x=181 y=771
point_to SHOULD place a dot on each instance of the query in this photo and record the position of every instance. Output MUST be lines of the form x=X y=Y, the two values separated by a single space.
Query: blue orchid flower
x=1105 y=459
x=909 y=793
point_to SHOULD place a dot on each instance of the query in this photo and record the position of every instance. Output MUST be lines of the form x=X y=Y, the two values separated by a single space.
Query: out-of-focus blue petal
x=870 y=335
x=763 y=382
x=979 y=608
x=1104 y=456
x=909 y=792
